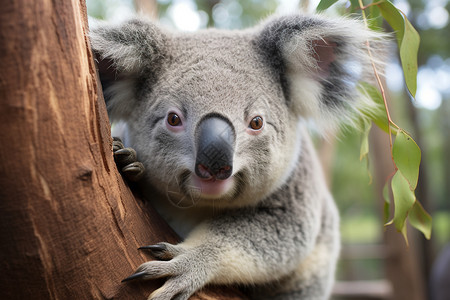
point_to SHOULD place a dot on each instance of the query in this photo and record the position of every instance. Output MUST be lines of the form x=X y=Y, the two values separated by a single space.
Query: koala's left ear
x=320 y=61
x=128 y=54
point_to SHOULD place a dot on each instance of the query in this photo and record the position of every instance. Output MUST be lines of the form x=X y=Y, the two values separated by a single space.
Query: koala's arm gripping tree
x=69 y=226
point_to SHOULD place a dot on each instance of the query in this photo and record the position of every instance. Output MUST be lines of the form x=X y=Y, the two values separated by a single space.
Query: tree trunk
x=70 y=227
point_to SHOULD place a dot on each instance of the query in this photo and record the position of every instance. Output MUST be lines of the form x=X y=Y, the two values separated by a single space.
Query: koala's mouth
x=212 y=187
x=193 y=190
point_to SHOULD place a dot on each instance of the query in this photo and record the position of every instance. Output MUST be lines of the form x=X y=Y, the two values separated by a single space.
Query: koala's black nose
x=215 y=139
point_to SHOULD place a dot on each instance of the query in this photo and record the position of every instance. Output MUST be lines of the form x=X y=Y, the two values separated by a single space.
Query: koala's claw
x=117 y=144
x=134 y=171
x=161 y=251
x=137 y=275
x=126 y=160
x=125 y=156
x=154 y=248
x=178 y=263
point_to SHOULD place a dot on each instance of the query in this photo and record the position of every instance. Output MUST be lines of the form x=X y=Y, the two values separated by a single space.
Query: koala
x=219 y=121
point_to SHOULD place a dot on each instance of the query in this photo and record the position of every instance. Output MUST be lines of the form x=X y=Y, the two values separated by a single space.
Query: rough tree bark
x=69 y=226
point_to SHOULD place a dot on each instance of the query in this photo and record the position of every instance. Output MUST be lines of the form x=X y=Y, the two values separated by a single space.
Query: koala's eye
x=173 y=119
x=256 y=123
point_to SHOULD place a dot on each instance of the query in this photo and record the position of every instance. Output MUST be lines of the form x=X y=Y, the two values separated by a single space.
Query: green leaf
x=408 y=56
x=404 y=232
x=387 y=204
x=364 y=151
x=408 y=42
x=407 y=156
x=354 y=5
x=404 y=200
x=324 y=4
x=420 y=219
x=374 y=19
x=378 y=114
x=366 y=125
x=391 y=14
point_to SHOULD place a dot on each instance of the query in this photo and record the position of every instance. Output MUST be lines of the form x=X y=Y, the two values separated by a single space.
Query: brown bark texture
x=69 y=226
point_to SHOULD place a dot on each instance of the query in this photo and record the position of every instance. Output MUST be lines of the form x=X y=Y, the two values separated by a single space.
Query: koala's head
x=215 y=114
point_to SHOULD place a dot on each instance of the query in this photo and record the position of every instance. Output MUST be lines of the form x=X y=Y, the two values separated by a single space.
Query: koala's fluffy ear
x=320 y=62
x=128 y=55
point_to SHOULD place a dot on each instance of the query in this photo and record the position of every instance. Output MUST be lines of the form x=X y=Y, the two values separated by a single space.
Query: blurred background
x=375 y=261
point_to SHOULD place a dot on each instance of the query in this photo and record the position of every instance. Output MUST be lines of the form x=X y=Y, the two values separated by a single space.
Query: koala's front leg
x=126 y=161
x=188 y=269
x=249 y=246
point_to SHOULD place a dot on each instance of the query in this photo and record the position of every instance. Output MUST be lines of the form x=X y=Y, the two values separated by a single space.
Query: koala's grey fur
x=275 y=230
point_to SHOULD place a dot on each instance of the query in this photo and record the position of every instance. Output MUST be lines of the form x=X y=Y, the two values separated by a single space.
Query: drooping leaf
x=404 y=232
x=391 y=14
x=387 y=204
x=324 y=4
x=377 y=114
x=374 y=19
x=366 y=125
x=407 y=157
x=408 y=56
x=420 y=219
x=354 y=5
x=404 y=199
x=364 y=150
x=408 y=42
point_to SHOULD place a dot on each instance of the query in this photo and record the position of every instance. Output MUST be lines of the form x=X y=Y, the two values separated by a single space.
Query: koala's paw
x=186 y=271
x=126 y=161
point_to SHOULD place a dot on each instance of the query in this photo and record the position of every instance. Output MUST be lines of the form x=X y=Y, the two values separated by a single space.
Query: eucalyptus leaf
x=366 y=125
x=324 y=4
x=408 y=56
x=387 y=204
x=404 y=232
x=404 y=200
x=407 y=157
x=391 y=14
x=408 y=42
x=354 y=5
x=375 y=21
x=364 y=151
x=377 y=114
x=420 y=219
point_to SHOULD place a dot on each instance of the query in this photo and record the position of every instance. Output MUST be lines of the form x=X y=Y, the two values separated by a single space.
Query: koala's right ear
x=127 y=55
x=320 y=62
